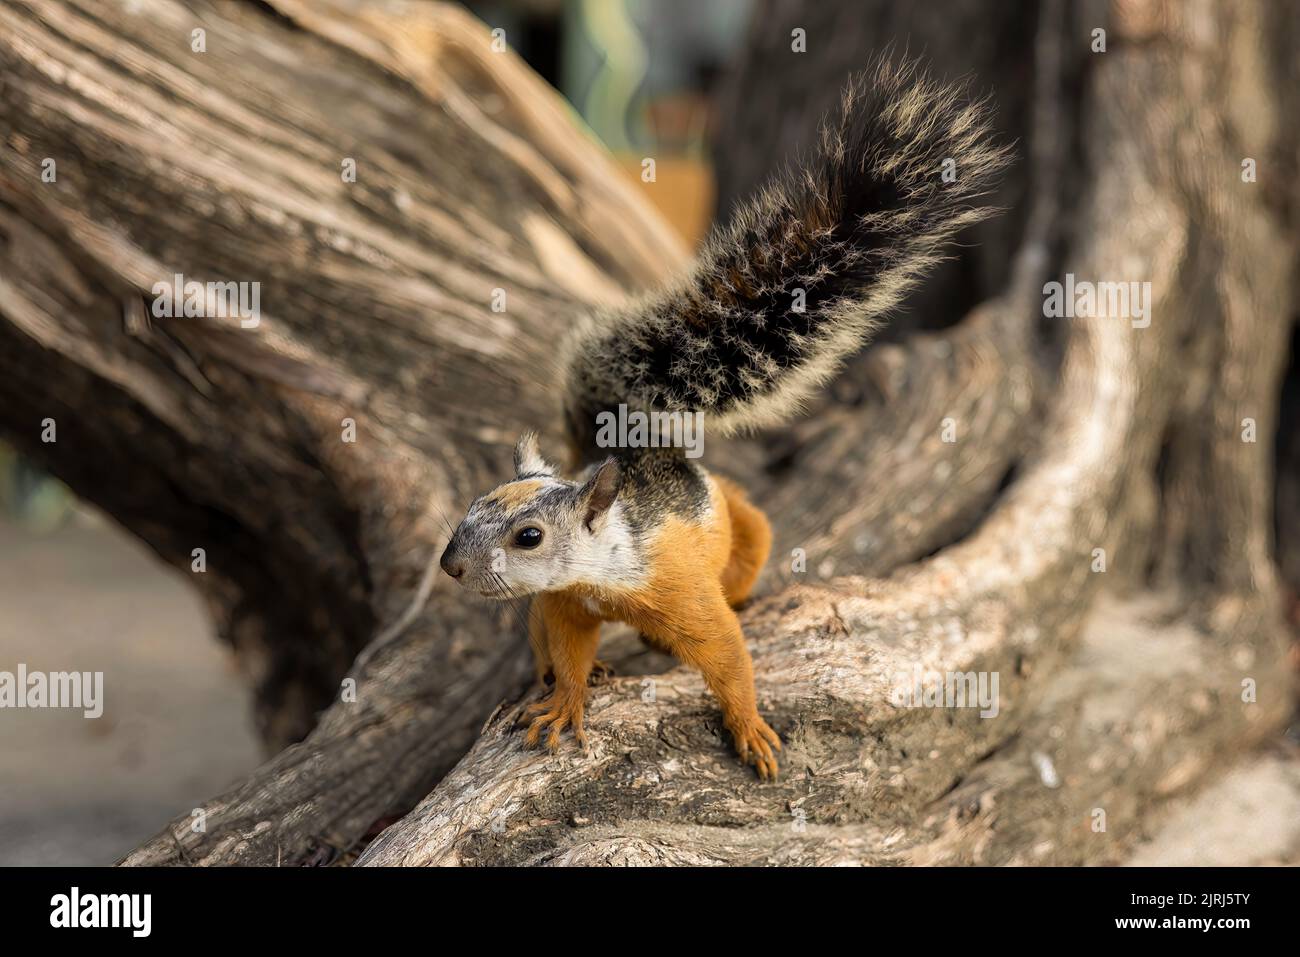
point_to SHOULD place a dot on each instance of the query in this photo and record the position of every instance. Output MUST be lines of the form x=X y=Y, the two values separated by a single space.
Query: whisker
x=508 y=598
x=443 y=516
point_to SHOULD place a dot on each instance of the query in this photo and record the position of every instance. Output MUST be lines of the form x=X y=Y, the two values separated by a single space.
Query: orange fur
x=751 y=543
x=514 y=495
x=697 y=572
x=571 y=633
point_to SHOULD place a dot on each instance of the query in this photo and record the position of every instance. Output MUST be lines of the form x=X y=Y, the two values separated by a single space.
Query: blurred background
x=643 y=75
x=76 y=591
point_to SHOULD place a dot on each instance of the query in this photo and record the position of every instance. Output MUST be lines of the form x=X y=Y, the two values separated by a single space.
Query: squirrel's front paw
x=557 y=711
x=754 y=743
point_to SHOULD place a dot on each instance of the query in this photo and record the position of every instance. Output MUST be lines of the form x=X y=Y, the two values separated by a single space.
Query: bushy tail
x=806 y=269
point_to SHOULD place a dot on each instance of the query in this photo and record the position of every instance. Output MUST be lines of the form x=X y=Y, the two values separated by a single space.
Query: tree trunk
x=1116 y=689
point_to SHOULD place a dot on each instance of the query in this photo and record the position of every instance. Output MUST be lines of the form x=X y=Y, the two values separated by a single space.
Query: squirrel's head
x=537 y=532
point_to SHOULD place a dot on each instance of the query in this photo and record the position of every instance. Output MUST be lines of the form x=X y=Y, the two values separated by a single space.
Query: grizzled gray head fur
x=537 y=532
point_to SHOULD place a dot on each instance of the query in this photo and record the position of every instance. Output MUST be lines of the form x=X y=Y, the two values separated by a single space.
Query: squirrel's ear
x=528 y=460
x=598 y=493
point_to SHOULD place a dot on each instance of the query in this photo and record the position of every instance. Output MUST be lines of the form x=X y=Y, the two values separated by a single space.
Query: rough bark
x=1072 y=436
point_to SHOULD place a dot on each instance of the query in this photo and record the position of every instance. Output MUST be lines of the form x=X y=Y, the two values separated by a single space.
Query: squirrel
x=647 y=536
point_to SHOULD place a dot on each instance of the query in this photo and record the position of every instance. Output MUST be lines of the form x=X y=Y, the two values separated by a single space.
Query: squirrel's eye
x=529 y=537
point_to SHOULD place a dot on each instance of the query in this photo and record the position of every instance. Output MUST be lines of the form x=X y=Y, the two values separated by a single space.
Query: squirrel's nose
x=450 y=563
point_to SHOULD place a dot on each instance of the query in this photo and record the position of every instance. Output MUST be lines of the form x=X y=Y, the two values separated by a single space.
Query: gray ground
x=1249 y=817
x=175 y=727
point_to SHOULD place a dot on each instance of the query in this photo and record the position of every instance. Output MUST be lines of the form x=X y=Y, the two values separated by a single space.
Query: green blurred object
x=619 y=58
x=29 y=497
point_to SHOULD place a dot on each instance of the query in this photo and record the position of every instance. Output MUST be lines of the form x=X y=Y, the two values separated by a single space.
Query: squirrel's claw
x=755 y=742
x=557 y=712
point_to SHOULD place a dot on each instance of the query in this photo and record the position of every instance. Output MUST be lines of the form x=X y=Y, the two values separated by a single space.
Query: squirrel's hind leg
x=751 y=542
